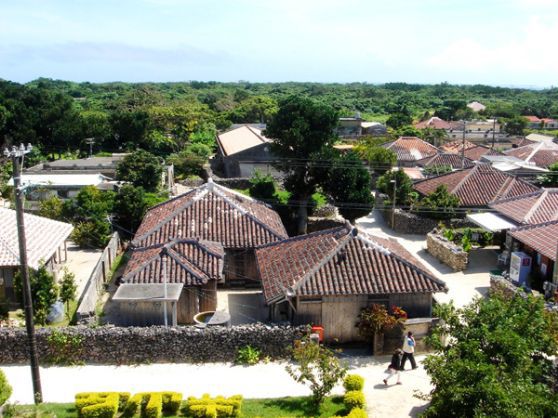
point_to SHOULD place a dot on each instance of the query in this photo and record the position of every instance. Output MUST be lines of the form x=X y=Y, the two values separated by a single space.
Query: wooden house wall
x=188 y=305
x=142 y=313
x=240 y=268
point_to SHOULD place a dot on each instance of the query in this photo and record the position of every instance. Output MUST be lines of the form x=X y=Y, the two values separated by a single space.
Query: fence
x=95 y=285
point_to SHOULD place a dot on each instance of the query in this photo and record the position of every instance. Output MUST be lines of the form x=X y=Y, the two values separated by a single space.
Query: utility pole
x=90 y=142
x=17 y=155
x=493 y=131
x=394 y=181
x=463 y=145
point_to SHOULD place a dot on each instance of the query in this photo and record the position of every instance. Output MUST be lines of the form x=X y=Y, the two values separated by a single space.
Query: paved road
x=463 y=286
x=260 y=381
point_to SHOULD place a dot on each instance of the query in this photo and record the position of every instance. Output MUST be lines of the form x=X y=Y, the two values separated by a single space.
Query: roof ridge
x=536 y=206
x=260 y=137
x=171 y=215
x=187 y=265
x=413 y=266
x=343 y=241
x=540 y=225
x=514 y=198
x=465 y=178
x=247 y=212
x=302 y=237
x=536 y=149
x=506 y=186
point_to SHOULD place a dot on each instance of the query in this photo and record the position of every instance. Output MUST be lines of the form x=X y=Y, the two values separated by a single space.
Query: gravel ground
x=60 y=384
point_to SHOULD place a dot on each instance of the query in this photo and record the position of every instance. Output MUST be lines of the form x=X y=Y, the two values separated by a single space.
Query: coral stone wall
x=447 y=252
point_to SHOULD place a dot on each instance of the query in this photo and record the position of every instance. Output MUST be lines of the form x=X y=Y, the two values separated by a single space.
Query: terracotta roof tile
x=542 y=154
x=450 y=159
x=477 y=186
x=340 y=261
x=472 y=151
x=213 y=213
x=191 y=262
x=543 y=238
x=434 y=122
x=533 y=208
x=411 y=149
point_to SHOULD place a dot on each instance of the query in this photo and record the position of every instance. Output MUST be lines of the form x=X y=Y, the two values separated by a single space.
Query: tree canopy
x=142 y=169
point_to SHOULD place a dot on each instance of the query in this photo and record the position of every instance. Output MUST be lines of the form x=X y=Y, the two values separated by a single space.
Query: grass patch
x=273 y=407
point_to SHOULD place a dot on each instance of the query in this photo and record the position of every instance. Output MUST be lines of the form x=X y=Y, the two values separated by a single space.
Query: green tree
x=398 y=120
x=551 y=178
x=440 y=204
x=317 y=367
x=191 y=160
x=44 y=292
x=379 y=159
x=51 y=208
x=5 y=389
x=129 y=207
x=403 y=186
x=68 y=289
x=141 y=168
x=303 y=131
x=262 y=186
x=433 y=136
x=515 y=125
x=494 y=359
x=349 y=186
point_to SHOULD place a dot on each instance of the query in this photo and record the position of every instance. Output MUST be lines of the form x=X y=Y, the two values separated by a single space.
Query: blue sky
x=499 y=42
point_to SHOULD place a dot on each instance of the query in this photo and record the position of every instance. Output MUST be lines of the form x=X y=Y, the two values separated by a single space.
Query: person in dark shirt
x=394 y=367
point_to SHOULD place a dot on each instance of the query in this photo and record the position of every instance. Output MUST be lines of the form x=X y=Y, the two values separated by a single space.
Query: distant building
x=244 y=149
x=354 y=127
x=473 y=152
x=103 y=165
x=533 y=122
x=537 y=138
x=434 y=123
x=476 y=106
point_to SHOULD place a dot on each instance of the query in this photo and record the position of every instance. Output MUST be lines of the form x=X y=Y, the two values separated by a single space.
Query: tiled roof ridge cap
x=514 y=198
x=302 y=237
x=540 y=200
x=195 y=241
x=186 y=264
x=539 y=225
x=536 y=149
x=260 y=137
x=459 y=185
x=170 y=216
x=445 y=175
x=406 y=262
x=245 y=211
x=342 y=243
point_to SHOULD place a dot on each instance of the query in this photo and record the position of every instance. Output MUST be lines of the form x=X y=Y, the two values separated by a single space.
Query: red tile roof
x=472 y=151
x=543 y=238
x=446 y=158
x=542 y=154
x=213 y=213
x=477 y=186
x=434 y=122
x=340 y=261
x=411 y=149
x=532 y=118
x=191 y=262
x=533 y=208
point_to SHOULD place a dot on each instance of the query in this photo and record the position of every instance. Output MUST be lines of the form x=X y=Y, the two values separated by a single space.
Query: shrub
x=248 y=355
x=353 y=382
x=214 y=407
x=5 y=388
x=154 y=406
x=357 y=413
x=353 y=399
x=97 y=404
x=171 y=402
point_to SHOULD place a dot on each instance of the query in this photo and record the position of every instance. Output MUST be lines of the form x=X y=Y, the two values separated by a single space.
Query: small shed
x=147 y=304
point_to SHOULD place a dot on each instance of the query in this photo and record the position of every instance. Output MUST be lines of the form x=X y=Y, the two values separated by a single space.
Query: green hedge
x=5 y=388
x=153 y=404
x=353 y=382
x=353 y=399
x=99 y=404
x=357 y=413
x=218 y=407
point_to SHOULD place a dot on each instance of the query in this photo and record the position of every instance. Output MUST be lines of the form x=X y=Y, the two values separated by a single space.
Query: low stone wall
x=135 y=345
x=420 y=327
x=319 y=224
x=447 y=252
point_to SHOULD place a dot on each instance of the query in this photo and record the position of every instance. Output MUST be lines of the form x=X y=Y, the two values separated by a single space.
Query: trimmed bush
x=353 y=382
x=97 y=404
x=357 y=413
x=353 y=399
x=220 y=407
x=154 y=406
x=5 y=388
x=171 y=402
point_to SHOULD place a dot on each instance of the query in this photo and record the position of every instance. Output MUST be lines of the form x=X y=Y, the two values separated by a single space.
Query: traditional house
x=46 y=244
x=434 y=123
x=354 y=127
x=196 y=265
x=542 y=154
x=514 y=166
x=533 y=122
x=477 y=186
x=446 y=159
x=540 y=242
x=327 y=277
x=529 y=209
x=244 y=149
x=217 y=214
x=476 y=106
x=411 y=151
x=473 y=152
x=94 y=165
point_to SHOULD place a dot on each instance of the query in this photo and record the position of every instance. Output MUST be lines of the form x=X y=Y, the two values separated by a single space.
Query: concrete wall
x=447 y=252
x=113 y=345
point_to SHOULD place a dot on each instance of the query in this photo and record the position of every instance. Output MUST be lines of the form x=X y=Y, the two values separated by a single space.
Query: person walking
x=408 y=351
x=394 y=367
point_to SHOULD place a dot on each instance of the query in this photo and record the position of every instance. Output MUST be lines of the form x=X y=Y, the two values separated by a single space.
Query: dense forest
x=57 y=116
